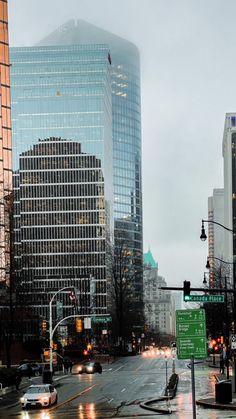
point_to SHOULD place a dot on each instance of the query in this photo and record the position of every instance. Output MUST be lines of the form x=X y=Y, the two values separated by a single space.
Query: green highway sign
x=101 y=319
x=191 y=334
x=204 y=298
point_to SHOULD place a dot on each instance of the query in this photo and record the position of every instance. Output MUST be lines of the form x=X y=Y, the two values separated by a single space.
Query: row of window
x=62 y=190
x=58 y=176
x=62 y=232
x=97 y=272
x=62 y=218
x=31 y=161
x=68 y=204
x=86 y=260
x=71 y=247
x=63 y=204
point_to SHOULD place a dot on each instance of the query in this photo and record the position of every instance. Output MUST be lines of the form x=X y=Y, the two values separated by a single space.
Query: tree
x=124 y=300
x=14 y=292
x=218 y=315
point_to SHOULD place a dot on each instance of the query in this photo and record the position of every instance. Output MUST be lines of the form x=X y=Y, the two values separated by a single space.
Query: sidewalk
x=210 y=402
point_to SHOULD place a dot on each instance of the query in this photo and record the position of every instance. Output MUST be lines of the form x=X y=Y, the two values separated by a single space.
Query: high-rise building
x=58 y=90
x=5 y=143
x=215 y=233
x=229 y=156
x=62 y=222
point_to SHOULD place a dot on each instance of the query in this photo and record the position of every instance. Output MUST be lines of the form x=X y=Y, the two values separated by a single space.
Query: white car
x=39 y=395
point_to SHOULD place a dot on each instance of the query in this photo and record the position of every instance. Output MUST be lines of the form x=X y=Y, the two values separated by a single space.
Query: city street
x=118 y=391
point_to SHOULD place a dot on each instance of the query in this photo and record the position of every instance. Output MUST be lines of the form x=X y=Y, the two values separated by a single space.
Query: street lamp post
x=50 y=325
x=203 y=237
x=226 y=315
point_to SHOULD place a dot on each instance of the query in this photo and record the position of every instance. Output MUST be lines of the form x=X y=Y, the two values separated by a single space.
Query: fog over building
x=83 y=83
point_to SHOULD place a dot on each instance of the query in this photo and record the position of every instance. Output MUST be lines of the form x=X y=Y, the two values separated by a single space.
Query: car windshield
x=38 y=390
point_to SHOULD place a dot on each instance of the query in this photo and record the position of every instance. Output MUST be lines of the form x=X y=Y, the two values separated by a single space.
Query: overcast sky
x=188 y=62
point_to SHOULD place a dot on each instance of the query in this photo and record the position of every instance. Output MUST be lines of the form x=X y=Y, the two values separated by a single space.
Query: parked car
x=89 y=368
x=30 y=369
x=39 y=395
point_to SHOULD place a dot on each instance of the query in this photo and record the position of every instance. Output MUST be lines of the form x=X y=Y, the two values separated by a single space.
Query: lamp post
x=50 y=325
x=226 y=314
x=203 y=237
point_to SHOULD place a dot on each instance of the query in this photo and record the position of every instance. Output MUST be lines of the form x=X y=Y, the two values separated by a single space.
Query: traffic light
x=44 y=326
x=73 y=298
x=79 y=325
x=187 y=290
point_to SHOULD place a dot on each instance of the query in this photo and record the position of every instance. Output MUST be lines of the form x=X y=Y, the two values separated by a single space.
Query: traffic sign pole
x=193 y=387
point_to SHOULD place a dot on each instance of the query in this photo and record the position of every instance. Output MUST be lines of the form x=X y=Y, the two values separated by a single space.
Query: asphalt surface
x=206 y=377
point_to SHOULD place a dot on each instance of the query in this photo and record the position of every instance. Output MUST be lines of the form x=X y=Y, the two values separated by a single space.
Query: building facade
x=159 y=306
x=50 y=82
x=5 y=144
x=215 y=233
x=62 y=222
x=229 y=156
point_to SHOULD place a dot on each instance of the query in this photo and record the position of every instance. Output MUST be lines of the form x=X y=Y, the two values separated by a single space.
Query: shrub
x=8 y=376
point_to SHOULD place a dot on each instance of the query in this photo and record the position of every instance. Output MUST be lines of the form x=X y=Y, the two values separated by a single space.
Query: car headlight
x=45 y=399
x=23 y=399
x=90 y=369
x=80 y=368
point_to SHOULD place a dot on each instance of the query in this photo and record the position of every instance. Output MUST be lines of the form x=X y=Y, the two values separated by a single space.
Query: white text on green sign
x=205 y=298
x=191 y=333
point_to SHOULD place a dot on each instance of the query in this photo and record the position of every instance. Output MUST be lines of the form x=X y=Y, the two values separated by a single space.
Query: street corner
x=212 y=404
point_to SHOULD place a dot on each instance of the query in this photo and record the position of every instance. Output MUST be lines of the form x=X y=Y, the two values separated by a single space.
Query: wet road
x=123 y=385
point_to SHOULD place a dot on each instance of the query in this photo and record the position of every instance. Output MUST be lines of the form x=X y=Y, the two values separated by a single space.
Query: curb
x=145 y=405
x=212 y=404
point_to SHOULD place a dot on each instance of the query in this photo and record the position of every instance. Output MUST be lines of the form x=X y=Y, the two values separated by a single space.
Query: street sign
x=205 y=298
x=101 y=319
x=233 y=341
x=87 y=323
x=191 y=334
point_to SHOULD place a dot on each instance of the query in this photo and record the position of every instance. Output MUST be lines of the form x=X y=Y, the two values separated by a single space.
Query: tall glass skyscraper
x=57 y=90
x=126 y=128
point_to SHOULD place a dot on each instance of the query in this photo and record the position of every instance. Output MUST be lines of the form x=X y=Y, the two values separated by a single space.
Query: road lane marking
x=72 y=398
x=110 y=400
x=134 y=380
x=118 y=368
x=139 y=367
x=123 y=390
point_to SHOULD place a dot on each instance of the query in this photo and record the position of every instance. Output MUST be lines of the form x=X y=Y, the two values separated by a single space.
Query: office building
x=5 y=144
x=58 y=91
x=229 y=156
x=215 y=235
x=62 y=224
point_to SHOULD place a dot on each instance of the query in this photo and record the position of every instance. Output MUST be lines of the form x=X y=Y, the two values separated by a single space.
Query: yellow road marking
x=71 y=398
